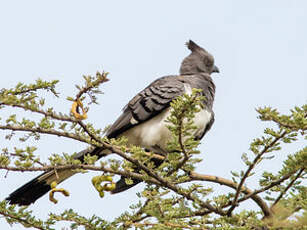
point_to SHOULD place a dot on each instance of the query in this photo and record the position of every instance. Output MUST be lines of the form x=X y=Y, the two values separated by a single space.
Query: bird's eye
x=208 y=62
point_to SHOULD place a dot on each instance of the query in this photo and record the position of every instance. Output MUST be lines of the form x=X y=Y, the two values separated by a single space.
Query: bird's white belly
x=154 y=132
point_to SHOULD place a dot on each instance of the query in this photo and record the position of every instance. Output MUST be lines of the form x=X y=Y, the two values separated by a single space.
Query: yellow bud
x=95 y=180
x=109 y=187
x=53 y=184
x=65 y=192
x=101 y=194
x=109 y=178
x=99 y=188
x=74 y=107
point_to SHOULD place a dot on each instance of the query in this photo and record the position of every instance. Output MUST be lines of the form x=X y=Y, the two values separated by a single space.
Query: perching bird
x=143 y=120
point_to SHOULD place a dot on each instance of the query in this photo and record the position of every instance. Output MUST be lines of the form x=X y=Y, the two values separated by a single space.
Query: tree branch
x=289 y=186
x=101 y=78
x=186 y=156
x=83 y=167
x=45 y=131
x=21 y=220
x=222 y=181
x=162 y=181
x=45 y=113
x=250 y=168
x=274 y=183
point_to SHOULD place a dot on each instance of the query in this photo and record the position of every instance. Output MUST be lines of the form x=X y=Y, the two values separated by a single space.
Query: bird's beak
x=215 y=69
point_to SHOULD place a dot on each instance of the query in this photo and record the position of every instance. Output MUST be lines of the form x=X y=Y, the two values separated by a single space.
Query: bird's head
x=199 y=61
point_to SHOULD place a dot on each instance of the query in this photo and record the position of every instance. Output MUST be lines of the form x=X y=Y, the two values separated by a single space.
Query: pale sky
x=260 y=48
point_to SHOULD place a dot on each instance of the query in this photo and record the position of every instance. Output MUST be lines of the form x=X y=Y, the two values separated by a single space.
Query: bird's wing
x=147 y=103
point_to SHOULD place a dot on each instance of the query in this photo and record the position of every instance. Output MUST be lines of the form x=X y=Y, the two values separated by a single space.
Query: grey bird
x=143 y=120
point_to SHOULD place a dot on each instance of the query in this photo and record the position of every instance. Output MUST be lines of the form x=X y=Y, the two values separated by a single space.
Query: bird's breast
x=154 y=134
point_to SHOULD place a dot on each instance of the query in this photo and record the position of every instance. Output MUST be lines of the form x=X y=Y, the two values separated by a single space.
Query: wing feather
x=146 y=104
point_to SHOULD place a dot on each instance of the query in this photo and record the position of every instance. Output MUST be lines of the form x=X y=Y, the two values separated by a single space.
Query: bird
x=143 y=120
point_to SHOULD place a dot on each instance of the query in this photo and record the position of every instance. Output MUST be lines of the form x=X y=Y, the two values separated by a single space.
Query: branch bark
x=222 y=181
x=45 y=131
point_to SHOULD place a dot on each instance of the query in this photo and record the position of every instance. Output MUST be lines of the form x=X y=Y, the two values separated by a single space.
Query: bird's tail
x=121 y=185
x=40 y=185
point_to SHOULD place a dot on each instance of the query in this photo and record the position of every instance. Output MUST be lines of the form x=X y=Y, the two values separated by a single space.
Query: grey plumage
x=199 y=61
x=143 y=118
x=147 y=103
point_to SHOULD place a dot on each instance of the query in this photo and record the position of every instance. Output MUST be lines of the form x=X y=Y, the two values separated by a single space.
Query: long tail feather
x=30 y=192
x=121 y=185
x=40 y=185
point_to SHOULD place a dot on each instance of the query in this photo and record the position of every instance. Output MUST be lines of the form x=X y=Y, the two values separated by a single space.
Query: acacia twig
x=141 y=211
x=250 y=168
x=92 y=135
x=101 y=78
x=21 y=220
x=45 y=113
x=186 y=156
x=289 y=186
x=77 y=220
x=83 y=167
x=229 y=183
x=45 y=131
x=162 y=181
x=249 y=193
x=274 y=183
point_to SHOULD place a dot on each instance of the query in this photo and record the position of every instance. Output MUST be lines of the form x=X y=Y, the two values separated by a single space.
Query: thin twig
x=83 y=167
x=92 y=135
x=103 y=78
x=162 y=181
x=98 y=143
x=289 y=186
x=115 y=150
x=138 y=213
x=186 y=156
x=45 y=113
x=20 y=220
x=77 y=220
x=169 y=224
x=290 y=126
x=45 y=131
x=229 y=183
x=249 y=193
x=24 y=91
x=250 y=168
x=141 y=210
x=274 y=183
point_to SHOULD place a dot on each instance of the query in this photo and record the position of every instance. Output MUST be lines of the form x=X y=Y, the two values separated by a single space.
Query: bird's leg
x=54 y=190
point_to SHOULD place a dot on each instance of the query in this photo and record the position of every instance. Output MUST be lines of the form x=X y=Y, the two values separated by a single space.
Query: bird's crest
x=198 y=61
x=192 y=46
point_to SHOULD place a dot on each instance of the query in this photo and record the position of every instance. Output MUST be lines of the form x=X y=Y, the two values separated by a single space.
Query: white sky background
x=260 y=48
